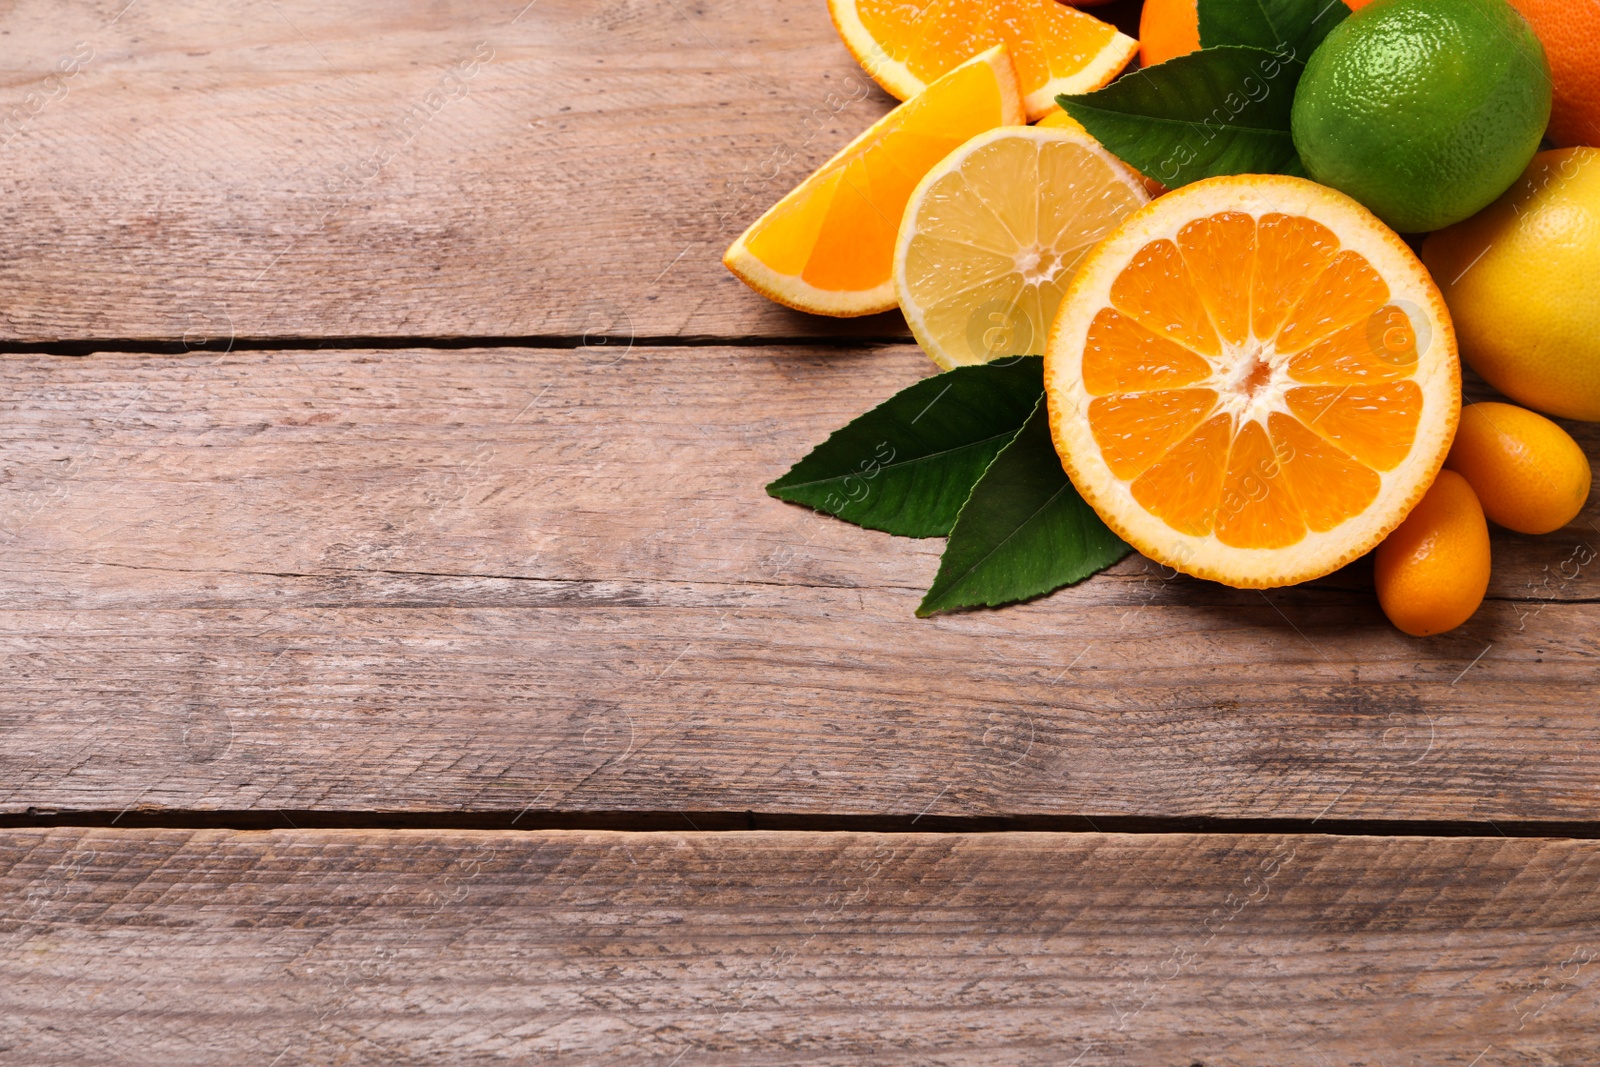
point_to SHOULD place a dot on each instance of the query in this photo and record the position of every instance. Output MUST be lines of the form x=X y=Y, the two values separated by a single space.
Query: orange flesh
x=1046 y=40
x=1157 y=291
x=1251 y=380
x=837 y=231
x=1134 y=430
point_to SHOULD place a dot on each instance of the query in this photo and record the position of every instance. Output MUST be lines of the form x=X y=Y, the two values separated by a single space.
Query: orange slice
x=1252 y=380
x=828 y=246
x=905 y=44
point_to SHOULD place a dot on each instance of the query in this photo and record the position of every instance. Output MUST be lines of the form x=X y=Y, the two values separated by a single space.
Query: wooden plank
x=190 y=947
x=496 y=580
x=193 y=170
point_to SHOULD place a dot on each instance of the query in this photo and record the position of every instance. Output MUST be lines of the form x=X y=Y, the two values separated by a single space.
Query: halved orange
x=1253 y=380
x=828 y=246
x=905 y=44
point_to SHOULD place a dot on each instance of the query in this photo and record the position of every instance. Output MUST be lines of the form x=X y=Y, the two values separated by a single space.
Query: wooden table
x=403 y=662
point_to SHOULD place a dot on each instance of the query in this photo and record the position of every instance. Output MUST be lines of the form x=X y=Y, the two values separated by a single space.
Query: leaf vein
x=901 y=463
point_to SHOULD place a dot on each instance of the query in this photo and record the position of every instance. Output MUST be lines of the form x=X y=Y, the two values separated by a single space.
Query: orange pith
x=828 y=246
x=1251 y=381
x=905 y=44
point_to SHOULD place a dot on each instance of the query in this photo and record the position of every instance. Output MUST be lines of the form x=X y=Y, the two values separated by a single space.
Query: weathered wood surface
x=182 y=170
x=497 y=580
x=514 y=580
x=202 y=947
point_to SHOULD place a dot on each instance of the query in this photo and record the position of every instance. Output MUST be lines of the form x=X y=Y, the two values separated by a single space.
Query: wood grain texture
x=496 y=580
x=199 y=947
x=185 y=170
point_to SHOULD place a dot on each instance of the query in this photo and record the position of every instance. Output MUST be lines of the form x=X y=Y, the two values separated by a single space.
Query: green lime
x=1423 y=110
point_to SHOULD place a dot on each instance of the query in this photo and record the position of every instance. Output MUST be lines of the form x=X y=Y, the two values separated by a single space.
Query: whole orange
x=1170 y=28
x=1167 y=28
x=1570 y=33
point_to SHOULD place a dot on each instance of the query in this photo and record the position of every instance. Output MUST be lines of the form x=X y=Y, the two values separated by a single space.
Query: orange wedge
x=1252 y=380
x=905 y=44
x=828 y=246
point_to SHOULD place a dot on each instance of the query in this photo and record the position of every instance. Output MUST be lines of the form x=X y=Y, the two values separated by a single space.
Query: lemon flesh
x=994 y=233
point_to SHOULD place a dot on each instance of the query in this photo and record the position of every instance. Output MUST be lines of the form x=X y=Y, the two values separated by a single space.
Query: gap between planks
x=560 y=342
x=656 y=822
x=586 y=584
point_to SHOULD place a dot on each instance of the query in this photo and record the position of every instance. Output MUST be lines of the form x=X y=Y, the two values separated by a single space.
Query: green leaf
x=1291 y=28
x=1024 y=532
x=908 y=465
x=1221 y=110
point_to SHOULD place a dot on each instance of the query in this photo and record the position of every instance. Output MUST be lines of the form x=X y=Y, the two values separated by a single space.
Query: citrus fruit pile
x=1248 y=375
